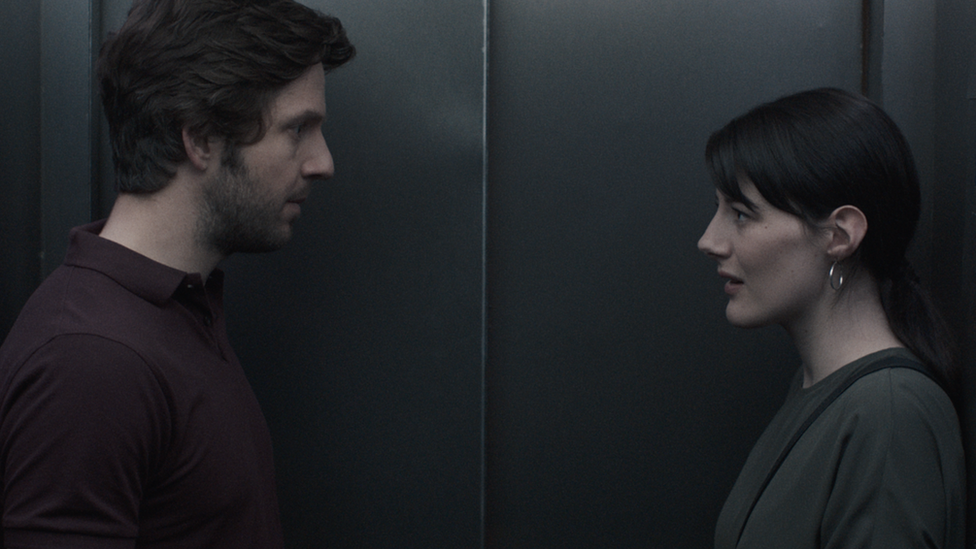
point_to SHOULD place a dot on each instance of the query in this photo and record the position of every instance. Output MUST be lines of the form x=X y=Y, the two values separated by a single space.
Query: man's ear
x=847 y=226
x=200 y=151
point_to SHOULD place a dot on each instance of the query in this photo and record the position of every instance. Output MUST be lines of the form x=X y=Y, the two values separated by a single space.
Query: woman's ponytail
x=917 y=323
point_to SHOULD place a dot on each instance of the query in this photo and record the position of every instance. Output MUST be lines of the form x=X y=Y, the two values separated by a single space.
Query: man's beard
x=236 y=216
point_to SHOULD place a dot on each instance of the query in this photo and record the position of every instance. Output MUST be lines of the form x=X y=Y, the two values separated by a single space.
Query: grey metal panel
x=363 y=338
x=908 y=95
x=620 y=404
x=927 y=69
x=68 y=28
x=953 y=240
x=20 y=238
x=113 y=14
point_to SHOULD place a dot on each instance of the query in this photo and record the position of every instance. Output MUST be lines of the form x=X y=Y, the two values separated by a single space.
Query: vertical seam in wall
x=872 y=49
x=65 y=111
x=865 y=43
x=484 y=272
x=39 y=264
x=94 y=110
x=65 y=137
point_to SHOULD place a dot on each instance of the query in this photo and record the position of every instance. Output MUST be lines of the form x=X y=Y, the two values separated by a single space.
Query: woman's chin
x=741 y=319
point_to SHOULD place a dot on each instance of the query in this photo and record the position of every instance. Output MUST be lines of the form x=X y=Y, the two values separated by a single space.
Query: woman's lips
x=733 y=285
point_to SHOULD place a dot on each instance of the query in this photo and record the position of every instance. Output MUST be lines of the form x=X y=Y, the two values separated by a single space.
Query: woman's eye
x=740 y=215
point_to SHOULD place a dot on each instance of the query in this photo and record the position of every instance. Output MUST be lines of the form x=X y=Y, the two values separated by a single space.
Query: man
x=125 y=417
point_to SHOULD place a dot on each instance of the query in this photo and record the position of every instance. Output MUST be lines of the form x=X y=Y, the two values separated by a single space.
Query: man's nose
x=319 y=165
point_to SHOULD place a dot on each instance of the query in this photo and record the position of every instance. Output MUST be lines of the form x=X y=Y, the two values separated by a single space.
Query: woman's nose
x=710 y=242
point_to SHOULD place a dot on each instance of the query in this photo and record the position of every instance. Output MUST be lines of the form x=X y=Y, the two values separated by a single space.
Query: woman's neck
x=846 y=327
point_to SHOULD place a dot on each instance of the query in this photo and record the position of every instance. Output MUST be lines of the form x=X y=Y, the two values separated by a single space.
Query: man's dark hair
x=212 y=66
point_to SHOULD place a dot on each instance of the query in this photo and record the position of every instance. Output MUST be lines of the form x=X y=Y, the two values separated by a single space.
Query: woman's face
x=775 y=265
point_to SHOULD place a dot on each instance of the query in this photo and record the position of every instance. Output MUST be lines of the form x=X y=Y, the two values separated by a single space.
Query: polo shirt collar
x=142 y=276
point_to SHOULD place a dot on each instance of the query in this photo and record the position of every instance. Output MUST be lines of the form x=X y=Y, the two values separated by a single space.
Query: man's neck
x=163 y=227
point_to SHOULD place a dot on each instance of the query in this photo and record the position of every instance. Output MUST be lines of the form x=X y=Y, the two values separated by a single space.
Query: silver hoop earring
x=836 y=286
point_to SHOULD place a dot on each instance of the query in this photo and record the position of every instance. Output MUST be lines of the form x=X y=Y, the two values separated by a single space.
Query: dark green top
x=881 y=467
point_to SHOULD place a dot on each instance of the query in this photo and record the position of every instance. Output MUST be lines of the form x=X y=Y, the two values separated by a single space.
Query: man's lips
x=297 y=201
x=294 y=205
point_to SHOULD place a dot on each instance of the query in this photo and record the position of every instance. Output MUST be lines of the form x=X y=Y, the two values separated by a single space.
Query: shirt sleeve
x=900 y=472
x=83 y=425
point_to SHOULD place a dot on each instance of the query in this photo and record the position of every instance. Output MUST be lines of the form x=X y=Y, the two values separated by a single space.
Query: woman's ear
x=199 y=150
x=847 y=226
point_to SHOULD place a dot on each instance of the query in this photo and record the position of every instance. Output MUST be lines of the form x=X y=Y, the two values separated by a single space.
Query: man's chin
x=256 y=244
x=264 y=247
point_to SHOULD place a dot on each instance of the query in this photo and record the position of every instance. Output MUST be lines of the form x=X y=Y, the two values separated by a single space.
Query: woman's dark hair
x=212 y=66
x=810 y=153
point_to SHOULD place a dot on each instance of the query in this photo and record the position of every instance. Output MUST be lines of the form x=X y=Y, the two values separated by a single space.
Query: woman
x=818 y=199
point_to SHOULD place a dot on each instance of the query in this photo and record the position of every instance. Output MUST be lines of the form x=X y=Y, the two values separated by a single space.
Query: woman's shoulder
x=898 y=397
x=896 y=371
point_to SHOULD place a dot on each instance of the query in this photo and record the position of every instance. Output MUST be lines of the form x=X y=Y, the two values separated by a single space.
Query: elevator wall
x=493 y=328
x=621 y=404
x=363 y=338
x=20 y=163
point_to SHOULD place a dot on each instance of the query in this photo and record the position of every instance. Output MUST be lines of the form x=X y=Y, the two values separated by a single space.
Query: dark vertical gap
x=20 y=228
x=872 y=48
x=95 y=113
x=65 y=108
x=865 y=44
x=490 y=258
x=38 y=201
x=483 y=534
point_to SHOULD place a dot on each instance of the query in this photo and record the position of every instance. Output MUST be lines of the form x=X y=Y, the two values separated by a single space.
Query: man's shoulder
x=73 y=301
x=62 y=337
x=71 y=295
x=74 y=358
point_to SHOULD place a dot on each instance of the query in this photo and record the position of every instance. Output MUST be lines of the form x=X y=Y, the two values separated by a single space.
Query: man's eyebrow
x=306 y=116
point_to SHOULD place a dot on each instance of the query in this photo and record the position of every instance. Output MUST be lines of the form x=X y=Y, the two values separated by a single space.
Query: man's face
x=252 y=201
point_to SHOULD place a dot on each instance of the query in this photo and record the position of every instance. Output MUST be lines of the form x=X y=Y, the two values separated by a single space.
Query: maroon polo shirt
x=125 y=417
